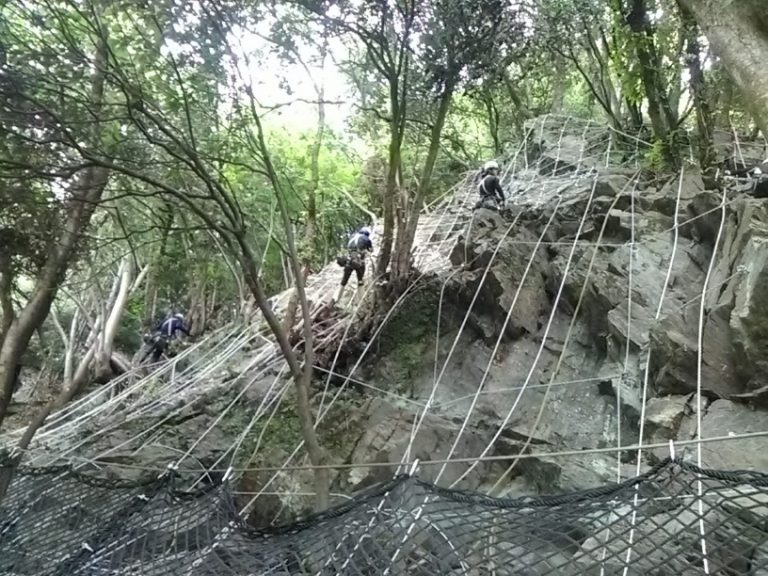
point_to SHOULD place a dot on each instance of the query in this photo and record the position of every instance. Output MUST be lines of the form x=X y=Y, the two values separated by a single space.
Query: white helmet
x=179 y=315
x=491 y=165
x=365 y=230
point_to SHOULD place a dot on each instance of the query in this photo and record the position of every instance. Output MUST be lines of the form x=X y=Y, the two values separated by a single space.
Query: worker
x=358 y=247
x=491 y=193
x=172 y=325
x=159 y=341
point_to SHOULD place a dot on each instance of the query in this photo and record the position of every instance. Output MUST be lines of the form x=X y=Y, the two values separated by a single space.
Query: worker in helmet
x=172 y=325
x=491 y=193
x=168 y=330
x=357 y=248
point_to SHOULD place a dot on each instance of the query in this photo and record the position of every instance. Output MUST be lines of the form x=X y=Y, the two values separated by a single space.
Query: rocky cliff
x=563 y=325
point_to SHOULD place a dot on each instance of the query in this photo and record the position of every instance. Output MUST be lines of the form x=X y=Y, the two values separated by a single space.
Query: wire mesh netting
x=676 y=519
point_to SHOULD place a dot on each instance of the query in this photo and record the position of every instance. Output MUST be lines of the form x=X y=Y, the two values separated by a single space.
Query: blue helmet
x=365 y=231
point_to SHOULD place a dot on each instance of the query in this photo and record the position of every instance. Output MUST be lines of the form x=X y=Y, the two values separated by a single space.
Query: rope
x=418 y=422
x=541 y=346
x=646 y=372
x=561 y=357
x=441 y=461
x=699 y=365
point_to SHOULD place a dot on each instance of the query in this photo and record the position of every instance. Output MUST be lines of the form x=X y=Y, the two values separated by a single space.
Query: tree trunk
x=397 y=108
x=704 y=118
x=302 y=376
x=86 y=193
x=401 y=266
x=314 y=185
x=559 y=85
x=724 y=103
x=388 y=202
x=6 y=287
x=493 y=119
x=663 y=117
x=197 y=299
x=738 y=33
x=150 y=304
x=112 y=323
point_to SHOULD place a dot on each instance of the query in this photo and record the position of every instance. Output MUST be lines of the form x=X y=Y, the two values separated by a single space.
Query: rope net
x=55 y=521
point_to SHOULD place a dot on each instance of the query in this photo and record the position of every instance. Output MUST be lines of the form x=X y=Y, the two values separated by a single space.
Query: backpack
x=353 y=243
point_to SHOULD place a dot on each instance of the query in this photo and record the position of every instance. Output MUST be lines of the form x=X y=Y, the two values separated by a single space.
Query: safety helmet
x=491 y=165
x=365 y=231
x=179 y=315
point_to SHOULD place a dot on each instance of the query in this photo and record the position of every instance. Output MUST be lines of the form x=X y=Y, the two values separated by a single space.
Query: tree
x=738 y=33
x=176 y=117
x=385 y=30
x=416 y=56
x=61 y=111
x=700 y=91
x=461 y=42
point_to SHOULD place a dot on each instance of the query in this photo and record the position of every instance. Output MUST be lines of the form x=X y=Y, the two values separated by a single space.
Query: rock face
x=570 y=373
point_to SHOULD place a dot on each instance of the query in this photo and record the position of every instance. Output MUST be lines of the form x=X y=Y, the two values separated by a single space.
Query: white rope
x=699 y=366
x=536 y=359
x=443 y=405
x=322 y=415
x=437 y=462
x=52 y=424
x=510 y=311
x=133 y=411
x=569 y=333
x=506 y=321
x=607 y=531
x=267 y=400
x=418 y=421
x=629 y=327
x=106 y=429
x=646 y=373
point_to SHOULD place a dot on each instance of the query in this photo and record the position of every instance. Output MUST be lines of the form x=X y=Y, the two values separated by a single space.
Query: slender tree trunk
x=559 y=85
x=520 y=102
x=6 y=287
x=492 y=113
x=738 y=33
x=397 y=106
x=704 y=118
x=402 y=261
x=112 y=323
x=302 y=376
x=150 y=304
x=724 y=103
x=311 y=232
x=390 y=193
x=86 y=193
x=663 y=118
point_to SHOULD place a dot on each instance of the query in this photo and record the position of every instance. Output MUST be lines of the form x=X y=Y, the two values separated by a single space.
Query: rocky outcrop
x=581 y=369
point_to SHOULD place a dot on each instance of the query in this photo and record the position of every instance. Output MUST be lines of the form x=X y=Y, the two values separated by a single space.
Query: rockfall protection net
x=54 y=521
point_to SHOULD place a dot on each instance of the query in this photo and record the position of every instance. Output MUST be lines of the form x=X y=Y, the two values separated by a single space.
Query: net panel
x=58 y=522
